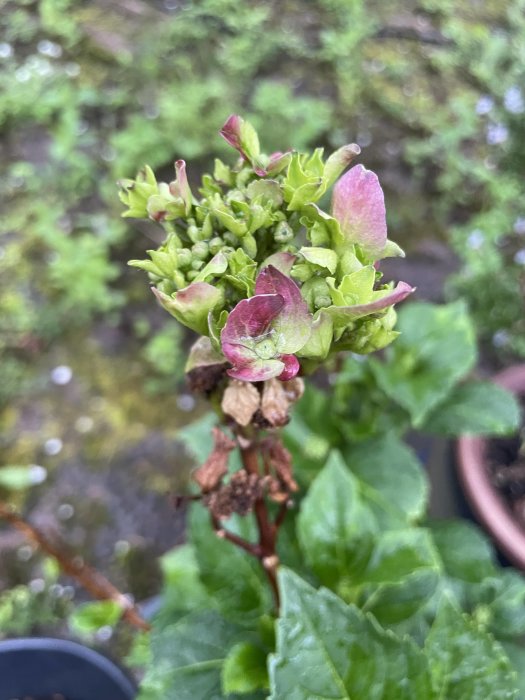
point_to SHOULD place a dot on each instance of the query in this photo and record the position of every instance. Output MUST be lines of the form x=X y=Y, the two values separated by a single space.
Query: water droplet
x=61 y=375
x=37 y=585
x=122 y=547
x=65 y=511
x=500 y=339
x=84 y=424
x=497 y=134
x=513 y=100
x=37 y=474
x=519 y=226
x=6 y=50
x=53 y=446
x=484 y=105
x=519 y=258
x=22 y=74
x=72 y=70
x=475 y=239
x=56 y=590
x=24 y=553
x=186 y=402
x=104 y=633
x=49 y=48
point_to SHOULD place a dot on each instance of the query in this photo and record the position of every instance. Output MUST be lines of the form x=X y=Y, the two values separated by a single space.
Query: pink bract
x=262 y=333
x=358 y=204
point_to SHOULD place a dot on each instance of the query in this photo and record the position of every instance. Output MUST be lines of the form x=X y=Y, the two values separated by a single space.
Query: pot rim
x=488 y=506
x=65 y=648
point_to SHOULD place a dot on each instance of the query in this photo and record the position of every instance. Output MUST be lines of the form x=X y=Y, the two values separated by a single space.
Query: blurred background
x=91 y=388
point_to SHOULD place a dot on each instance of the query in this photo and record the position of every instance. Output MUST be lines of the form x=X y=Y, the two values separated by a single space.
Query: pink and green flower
x=263 y=333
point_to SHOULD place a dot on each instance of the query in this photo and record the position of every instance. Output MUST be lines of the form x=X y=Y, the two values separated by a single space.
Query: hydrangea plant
x=274 y=285
x=254 y=264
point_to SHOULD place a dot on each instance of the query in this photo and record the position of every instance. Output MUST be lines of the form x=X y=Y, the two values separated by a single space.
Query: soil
x=506 y=465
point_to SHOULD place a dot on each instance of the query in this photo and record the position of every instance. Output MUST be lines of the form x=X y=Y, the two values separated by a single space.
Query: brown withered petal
x=277 y=398
x=280 y=460
x=205 y=379
x=276 y=491
x=240 y=401
x=210 y=474
x=294 y=389
x=275 y=403
x=238 y=496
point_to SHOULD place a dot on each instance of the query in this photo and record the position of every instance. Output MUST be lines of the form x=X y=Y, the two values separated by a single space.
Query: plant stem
x=92 y=580
x=267 y=530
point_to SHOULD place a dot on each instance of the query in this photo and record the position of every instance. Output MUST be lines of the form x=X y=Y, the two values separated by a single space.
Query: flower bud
x=231 y=239
x=249 y=245
x=283 y=233
x=216 y=244
x=184 y=257
x=200 y=250
x=197 y=264
x=194 y=232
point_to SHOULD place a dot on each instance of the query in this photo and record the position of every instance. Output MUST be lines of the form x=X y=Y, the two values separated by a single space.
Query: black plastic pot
x=42 y=669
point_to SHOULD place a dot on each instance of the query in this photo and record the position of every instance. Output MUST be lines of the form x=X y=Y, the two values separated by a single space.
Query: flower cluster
x=274 y=282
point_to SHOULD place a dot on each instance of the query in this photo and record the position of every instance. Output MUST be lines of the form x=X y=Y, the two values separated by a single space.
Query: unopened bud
x=197 y=264
x=231 y=239
x=249 y=245
x=184 y=257
x=322 y=301
x=216 y=244
x=283 y=233
x=194 y=233
x=200 y=250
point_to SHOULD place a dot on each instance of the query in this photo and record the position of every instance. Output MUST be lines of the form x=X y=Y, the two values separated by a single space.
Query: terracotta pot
x=484 y=499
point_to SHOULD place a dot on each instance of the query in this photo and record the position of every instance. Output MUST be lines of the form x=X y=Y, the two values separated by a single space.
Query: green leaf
x=465 y=552
x=327 y=649
x=477 y=408
x=505 y=603
x=466 y=663
x=516 y=653
x=394 y=483
x=323 y=257
x=334 y=527
x=401 y=575
x=232 y=578
x=244 y=669
x=183 y=589
x=435 y=350
x=18 y=478
x=188 y=658
x=90 y=617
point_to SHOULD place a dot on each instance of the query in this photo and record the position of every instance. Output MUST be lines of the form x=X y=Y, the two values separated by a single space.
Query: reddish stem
x=267 y=529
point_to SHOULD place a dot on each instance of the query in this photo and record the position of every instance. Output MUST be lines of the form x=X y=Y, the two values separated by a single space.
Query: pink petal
x=231 y=132
x=258 y=371
x=291 y=367
x=358 y=204
x=294 y=324
x=180 y=186
x=282 y=261
x=251 y=318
